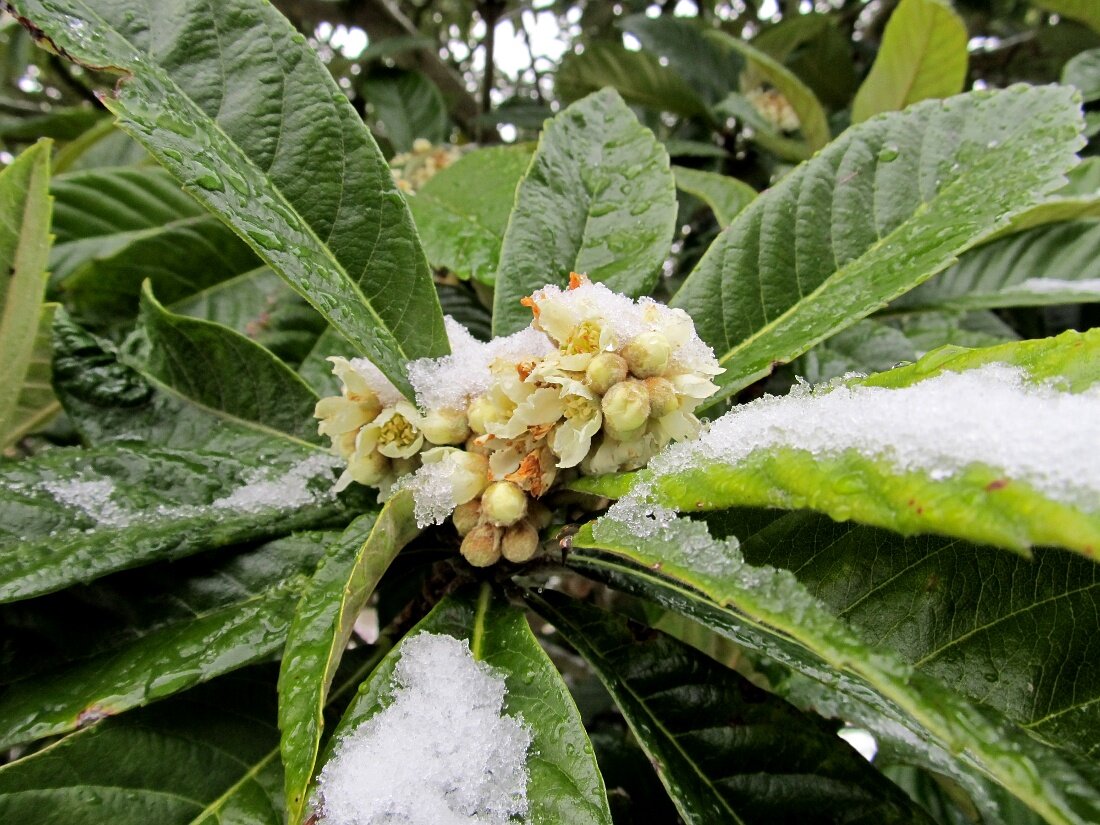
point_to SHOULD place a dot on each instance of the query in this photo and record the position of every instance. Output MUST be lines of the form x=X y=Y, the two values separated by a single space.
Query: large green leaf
x=71 y=515
x=408 y=106
x=1084 y=10
x=564 y=783
x=236 y=105
x=812 y=120
x=24 y=247
x=221 y=371
x=1056 y=264
x=923 y=54
x=1029 y=652
x=598 y=199
x=725 y=196
x=99 y=212
x=36 y=403
x=727 y=751
x=139 y=636
x=638 y=76
x=888 y=204
x=320 y=631
x=711 y=581
x=462 y=211
x=982 y=503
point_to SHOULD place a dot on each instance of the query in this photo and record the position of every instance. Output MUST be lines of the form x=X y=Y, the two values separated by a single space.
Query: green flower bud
x=648 y=354
x=625 y=406
x=481 y=547
x=520 y=542
x=368 y=468
x=482 y=412
x=503 y=503
x=662 y=397
x=466 y=516
x=445 y=427
x=624 y=435
x=604 y=371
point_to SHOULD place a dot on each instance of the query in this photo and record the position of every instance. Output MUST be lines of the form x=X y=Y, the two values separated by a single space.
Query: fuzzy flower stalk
x=598 y=383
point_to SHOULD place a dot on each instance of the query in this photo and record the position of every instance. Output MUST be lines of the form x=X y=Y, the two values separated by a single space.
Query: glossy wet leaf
x=923 y=54
x=887 y=205
x=71 y=515
x=726 y=750
x=710 y=580
x=319 y=633
x=409 y=107
x=726 y=196
x=979 y=503
x=221 y=371
x=234 y=103
x=564 y=782
x=462 y=231
x=137 y=637
x=24 y=247
x=598 y=198
x=1055 y=264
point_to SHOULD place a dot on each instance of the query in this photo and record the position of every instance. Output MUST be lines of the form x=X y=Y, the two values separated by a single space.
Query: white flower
x=394 y=433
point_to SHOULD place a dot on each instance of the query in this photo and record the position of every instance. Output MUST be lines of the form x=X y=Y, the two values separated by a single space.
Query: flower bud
x=503 y=503
x=445 y=426
x=466 y=516
x=481 y=547
x=662 y=397
x=368 y=468
x=604 y=371
x=624 y=435
x=539 y=515
x=520 y=542
x=625 y=406
x=470 y=477
x=648 y=354
x=482 y=412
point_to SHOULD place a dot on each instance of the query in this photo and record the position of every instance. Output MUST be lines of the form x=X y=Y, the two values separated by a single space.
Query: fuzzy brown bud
x=520 y=542
x=662 y=397
x=604 y=371
x=481 y=547
x=466 y=516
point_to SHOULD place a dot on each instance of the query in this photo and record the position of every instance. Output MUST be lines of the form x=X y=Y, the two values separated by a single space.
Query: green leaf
x=462 y=211
x=409 y=107
x=319 y=633
x=597 y=199
x=813 y=47
x=711 y=581
x=221 y=371
x=888 y=204
x=726 y=750
x=99 y=212
x=1028 y=652
x=316 y=371
x=1054 y=264
x=638 y=76
x=464 y=306
x=980 y=503
x=63 y=123
x=71 y=515
x=24 y=247
x=564 y=783
x=1085 y=11
x=923 y=55
x=36 y=403
x=725 y=196
x=1083 y=71
x=813 y=122
x=763 y=132
x=172 y=629
x=233 y=102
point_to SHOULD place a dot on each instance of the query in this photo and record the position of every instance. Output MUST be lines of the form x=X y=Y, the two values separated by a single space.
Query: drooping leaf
x=72 y=515
x=140 y=636
x=885 y=206
x=1055 y=264
x=983 y=503
x=686 y=569
x=813 y=122
x=24 y=247
x=462 y=211
x=36 y=403
x=923 y=54
x=221 y=371
x=234 y=103
x=564 y=782
x=1083 y=71
x=408 y=106
x=725 y=196
x=1085 y=11
x=320 y=631
x=638 y=76
x=726 y=750
x=598 y=199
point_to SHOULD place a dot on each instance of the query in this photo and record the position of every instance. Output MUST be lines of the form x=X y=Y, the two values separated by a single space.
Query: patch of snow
x=440 y=753
x=262 y=492
x=433 y=491
x=388 y=394
x=93 y=498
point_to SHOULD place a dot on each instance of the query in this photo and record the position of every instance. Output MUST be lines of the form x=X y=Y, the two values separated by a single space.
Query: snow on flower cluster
x=441 y=752
x=598 y=383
